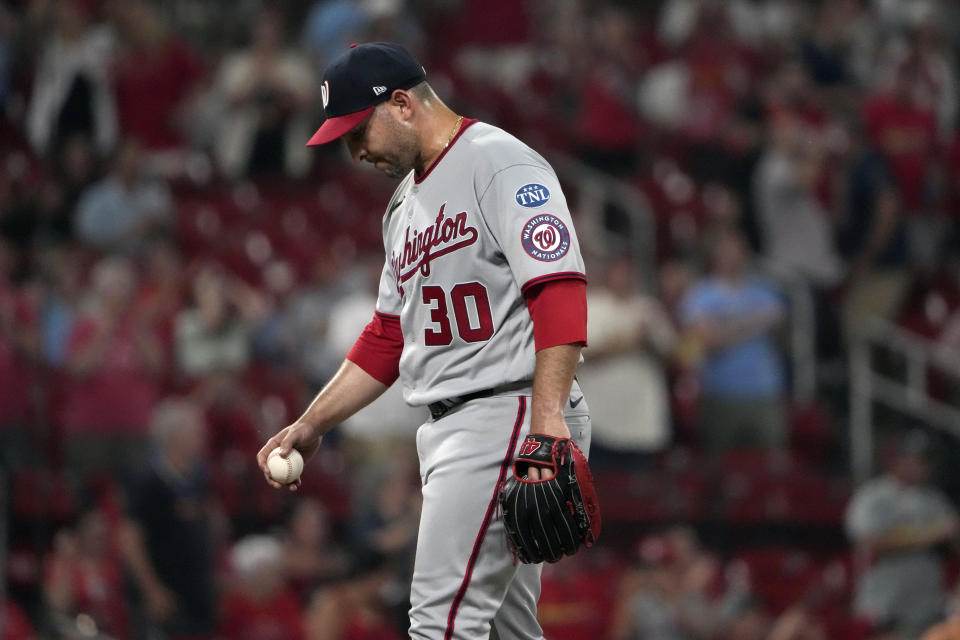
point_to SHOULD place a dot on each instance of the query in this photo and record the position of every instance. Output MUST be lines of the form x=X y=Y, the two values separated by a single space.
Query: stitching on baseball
x=289 y=470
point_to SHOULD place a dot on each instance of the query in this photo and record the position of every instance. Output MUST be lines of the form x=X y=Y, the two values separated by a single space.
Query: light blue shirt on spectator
x=330 y=27
x=748 y=369
x=110 y=216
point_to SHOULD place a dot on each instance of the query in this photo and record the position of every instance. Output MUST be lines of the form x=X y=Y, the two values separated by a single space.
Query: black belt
x=439 y=408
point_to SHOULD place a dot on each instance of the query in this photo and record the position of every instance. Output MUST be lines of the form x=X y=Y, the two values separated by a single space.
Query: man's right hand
x=298 y=435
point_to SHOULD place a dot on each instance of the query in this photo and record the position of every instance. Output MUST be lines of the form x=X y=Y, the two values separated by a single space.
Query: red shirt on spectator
x=719 y=73
x=608 y=120
x=150 y=87
x=17 y=319
x=906 y=135
x=277 y=618
x=119 y=393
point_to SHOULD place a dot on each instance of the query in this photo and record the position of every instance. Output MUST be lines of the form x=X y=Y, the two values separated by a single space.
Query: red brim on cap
x=333 y=128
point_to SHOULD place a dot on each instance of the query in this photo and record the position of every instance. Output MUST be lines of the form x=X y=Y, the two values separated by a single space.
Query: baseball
x=285 y=470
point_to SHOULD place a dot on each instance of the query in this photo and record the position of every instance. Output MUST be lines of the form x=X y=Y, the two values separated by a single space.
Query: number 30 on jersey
x=462 y=297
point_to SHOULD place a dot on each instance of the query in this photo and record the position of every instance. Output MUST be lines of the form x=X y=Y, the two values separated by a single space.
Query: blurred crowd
x=179 y=274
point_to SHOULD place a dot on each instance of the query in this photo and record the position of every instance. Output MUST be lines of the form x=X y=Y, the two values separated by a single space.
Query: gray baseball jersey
x=463 y=243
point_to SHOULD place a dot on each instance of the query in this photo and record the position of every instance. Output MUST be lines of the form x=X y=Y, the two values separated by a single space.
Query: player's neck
x=437 y=137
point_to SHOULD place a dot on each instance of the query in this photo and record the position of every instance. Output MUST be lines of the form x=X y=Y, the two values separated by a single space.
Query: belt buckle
x=440 y=408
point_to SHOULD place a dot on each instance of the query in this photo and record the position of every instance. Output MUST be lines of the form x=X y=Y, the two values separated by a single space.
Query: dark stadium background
x=174 y=263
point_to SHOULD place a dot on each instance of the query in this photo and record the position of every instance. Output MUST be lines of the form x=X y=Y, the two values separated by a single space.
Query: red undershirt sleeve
x=559 y=312
x=377 y=350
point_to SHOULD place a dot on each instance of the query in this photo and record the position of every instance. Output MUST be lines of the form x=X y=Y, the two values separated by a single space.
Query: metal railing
x=909 y=395
x=594 y=191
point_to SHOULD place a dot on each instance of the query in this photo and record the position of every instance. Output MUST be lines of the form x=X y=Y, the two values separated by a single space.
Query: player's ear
x=402 y=102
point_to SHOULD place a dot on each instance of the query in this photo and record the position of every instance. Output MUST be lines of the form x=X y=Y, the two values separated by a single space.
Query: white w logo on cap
x=325 y=93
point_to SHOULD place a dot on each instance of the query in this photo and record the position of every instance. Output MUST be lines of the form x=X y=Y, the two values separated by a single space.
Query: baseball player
x=481 y=314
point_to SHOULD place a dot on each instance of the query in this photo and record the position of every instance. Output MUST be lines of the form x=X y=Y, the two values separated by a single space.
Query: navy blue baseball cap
x=360 y=79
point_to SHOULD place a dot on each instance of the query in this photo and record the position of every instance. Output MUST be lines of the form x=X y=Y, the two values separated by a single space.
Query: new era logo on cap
x=359 y=80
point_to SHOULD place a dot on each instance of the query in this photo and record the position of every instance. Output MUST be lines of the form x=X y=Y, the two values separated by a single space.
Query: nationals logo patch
x=545 y=238
x=532 y=195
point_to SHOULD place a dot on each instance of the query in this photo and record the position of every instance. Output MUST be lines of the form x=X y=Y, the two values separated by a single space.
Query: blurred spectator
x=259 y=604
x=387 y=517
x=732 y=317
x=310 y=554
x=213 y=335
x=308 y=318
x=393 y=21
x=903 y=127
x=157 y=77
x=269 y=91
x=162 y=293
x=710 y=72
x=630 y=336
x=331 y=26
x=824 y=50
x=14 y=624
x=71 y=91
x=873 y=240
x=119 y=212
x=114 y=360
x=234 y=414
x=609 y=125
x=44 y=213
x=662 y=599
x=923 y=48
x=752 y=23
x=85 y=576
x=354 y=609
x=60 y=277
x=166 y=540
x=896 y=522
x=796 y=232
x=20 y=344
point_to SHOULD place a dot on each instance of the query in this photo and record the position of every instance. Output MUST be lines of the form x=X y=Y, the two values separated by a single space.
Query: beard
x=396 y=171
x=404 y=153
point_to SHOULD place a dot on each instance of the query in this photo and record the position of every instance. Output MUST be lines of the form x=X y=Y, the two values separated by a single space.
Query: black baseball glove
x=548 y=519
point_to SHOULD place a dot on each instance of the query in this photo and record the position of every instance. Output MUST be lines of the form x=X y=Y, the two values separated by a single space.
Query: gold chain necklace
x=453 y=133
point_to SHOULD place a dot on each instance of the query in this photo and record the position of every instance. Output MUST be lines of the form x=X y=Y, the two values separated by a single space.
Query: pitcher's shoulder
x=494 y=149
